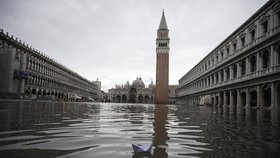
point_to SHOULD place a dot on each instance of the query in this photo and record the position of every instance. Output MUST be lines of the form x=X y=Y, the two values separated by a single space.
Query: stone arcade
x=242 y=71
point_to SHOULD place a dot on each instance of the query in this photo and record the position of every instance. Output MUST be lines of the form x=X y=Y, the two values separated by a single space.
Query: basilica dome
x=127 y=85
x=138 y=83
x=151 y=85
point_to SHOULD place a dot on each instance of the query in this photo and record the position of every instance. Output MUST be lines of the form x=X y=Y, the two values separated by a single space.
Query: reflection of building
x=24 y=70
x=135 y=93
x=162 y=62
x=244 y=70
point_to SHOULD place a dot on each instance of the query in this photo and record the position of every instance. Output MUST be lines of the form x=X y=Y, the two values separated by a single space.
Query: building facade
x=136 y=92
x=99 y=91
x=162 y=62
x=27 y=72
x=242 y=71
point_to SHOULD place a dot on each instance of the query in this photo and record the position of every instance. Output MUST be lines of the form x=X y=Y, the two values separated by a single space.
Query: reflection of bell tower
x=162 y=63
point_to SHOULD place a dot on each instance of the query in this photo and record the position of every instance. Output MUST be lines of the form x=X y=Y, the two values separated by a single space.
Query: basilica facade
x=136 y=92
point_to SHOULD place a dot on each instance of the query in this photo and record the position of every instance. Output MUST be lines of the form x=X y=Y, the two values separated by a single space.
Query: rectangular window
x=265 y=26
x=242 y=41
x=227 y=51
x=234 y=47
x=253 y=34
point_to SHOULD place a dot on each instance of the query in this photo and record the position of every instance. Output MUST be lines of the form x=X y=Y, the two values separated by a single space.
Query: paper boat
x=142 y=148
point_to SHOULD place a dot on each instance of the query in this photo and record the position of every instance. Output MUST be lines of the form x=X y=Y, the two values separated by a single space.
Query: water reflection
x=69 y=130
x=160 y=131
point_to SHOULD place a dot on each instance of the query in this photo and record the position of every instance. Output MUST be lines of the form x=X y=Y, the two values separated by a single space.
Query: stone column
x=258 y=62
x=219 y=77
x=259 y=96
x=225 y=75
x=248 y=66
x=273 y=56
x=231 y=98
x=247 y=98
x=231 y=72
x=238 y=98
x=238 y=69
x=273 y=95
x=214 y=82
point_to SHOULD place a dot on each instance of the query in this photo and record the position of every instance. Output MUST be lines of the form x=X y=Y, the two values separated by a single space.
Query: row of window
x=50 y=71
x=52 y=84
x=245 y=66
x=227 y=49
x=162 y=44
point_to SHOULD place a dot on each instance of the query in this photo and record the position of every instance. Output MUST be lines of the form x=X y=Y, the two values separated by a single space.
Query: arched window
x=227 y=73
x=243 y=67
x=253 y=63
x=234 y=69
x=265 y=26
x=265 y=59
x=222 y=75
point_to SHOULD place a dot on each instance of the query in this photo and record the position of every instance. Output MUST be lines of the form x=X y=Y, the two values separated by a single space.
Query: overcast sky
x=115 y=40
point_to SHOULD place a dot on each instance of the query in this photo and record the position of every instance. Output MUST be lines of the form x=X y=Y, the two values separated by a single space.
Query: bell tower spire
x=162 y=63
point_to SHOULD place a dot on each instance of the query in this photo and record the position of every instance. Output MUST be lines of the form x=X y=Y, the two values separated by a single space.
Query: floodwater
x=107 y=130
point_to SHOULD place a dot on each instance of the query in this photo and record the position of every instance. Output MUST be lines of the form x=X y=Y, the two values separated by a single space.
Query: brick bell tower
x=162 y=63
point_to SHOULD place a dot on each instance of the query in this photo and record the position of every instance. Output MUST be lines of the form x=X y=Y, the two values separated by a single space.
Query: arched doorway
x=118 y=98
x=243 y=99
x=278 y=95
x=253 y=98
x=34 y=91
x=221 y=102
x=132 y=95
x=44 y=92
x=124 y=98
x=234 y=98
x=217 y=100
x=28 y=91
x=140 y=99
x=146 y=99
x=243 y=67
x=58 y=95
x=227 y=97
x=266 y=94
x=39 y=92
